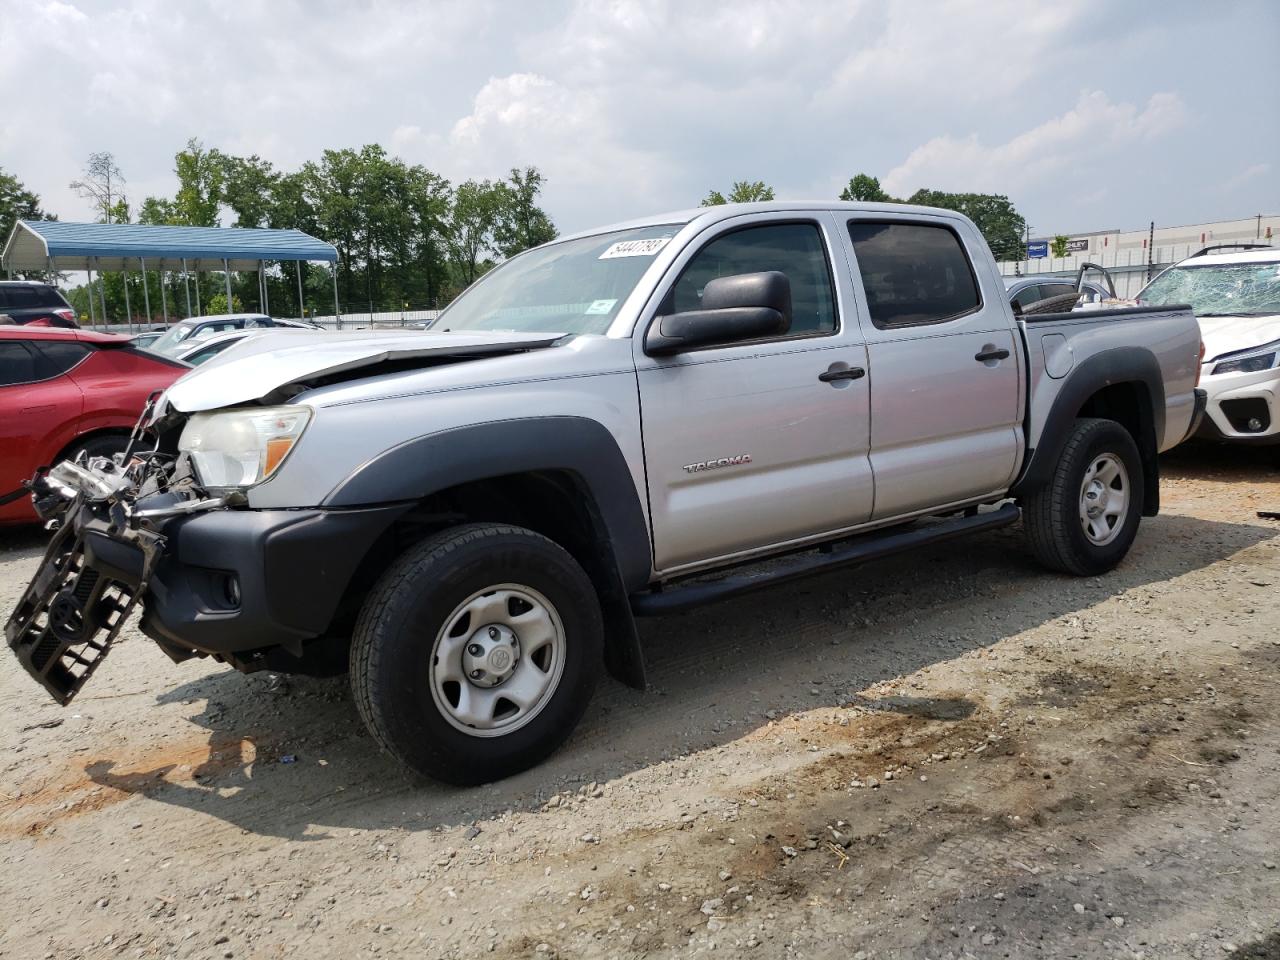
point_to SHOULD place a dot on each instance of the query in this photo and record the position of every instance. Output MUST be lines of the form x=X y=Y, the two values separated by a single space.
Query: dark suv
x=28 y=301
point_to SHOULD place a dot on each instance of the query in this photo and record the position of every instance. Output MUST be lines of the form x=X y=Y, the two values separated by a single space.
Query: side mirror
x=743 y=307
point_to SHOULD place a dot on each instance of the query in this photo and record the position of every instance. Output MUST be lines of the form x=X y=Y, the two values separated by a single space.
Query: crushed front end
x=102 y=555
x=253 y=588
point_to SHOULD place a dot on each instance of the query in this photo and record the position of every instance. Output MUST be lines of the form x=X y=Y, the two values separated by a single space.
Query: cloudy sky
x=1089 y=114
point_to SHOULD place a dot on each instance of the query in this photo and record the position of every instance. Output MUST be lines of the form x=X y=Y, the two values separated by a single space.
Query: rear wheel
x=1084 y=519
x=477 y=652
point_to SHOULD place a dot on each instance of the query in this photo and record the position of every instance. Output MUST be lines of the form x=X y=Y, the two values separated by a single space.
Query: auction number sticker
x=634 y=248
x=600 y=306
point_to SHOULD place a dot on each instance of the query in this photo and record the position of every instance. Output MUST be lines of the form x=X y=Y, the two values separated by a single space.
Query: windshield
x=575 y=286
x=172 y=337
x=1222 y=289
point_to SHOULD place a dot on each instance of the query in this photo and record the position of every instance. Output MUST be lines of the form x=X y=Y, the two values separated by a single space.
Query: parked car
x=608 y=426
x=63 y=393
x=144 y=340
x=182 y=334
x=1236 y=297
x=201 y=351
x=33 y=302
x=1025 y=291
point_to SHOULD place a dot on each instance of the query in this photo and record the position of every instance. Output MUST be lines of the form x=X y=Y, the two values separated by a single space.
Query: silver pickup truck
x=615 y=424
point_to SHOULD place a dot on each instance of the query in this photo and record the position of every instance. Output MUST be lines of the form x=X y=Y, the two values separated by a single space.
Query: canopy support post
x=199 y=309
x=53 y=276
x=128 y=310
x=146 y=288
x=186 y=285
x=164 y=300
x=93 y=320
x=337 y=314
x=102 y=291
x=302 y=310
x=226 y=274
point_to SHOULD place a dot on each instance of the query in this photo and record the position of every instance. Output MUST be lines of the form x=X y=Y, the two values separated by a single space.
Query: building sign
x=1037 y=249
x=1077 y=246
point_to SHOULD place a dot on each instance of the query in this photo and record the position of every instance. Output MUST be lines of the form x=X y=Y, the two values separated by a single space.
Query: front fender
x=424 y=465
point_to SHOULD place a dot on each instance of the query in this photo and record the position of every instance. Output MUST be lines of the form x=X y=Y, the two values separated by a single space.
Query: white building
x=1130 y=255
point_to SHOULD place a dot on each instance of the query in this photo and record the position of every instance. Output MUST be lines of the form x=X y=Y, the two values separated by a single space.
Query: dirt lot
x=952 y=754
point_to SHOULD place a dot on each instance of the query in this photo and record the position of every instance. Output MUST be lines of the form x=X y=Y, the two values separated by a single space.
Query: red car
x=64 y=391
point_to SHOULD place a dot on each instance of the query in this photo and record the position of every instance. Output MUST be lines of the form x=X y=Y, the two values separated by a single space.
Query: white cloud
x=1093 y=130
x=1251 y=172
x=633 y=106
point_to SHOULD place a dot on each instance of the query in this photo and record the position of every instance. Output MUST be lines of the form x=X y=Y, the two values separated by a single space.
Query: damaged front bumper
x=249 y=587
x=93 y=574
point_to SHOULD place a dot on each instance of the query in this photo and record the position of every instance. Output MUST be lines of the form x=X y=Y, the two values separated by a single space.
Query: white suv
x=1236 y=297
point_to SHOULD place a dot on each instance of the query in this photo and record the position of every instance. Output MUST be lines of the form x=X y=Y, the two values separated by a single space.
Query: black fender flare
x=1104 y=369
x=582 y=447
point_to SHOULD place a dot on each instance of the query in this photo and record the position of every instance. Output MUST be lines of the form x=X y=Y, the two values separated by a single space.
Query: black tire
x=392 y=650
x=101 y=445
x=1051 y=515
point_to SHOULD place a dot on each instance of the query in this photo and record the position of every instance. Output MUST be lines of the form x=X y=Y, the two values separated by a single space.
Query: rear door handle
x=846 y=373
x=986 y=355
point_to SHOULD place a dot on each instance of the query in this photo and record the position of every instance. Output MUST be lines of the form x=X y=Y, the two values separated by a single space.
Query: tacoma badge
x=701 y=465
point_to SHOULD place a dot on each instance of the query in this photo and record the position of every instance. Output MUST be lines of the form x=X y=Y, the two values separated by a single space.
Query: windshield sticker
x=600 y=306
x=634 y=248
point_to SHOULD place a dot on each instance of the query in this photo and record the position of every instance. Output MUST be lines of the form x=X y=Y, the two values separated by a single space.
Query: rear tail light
x=1200 y=364
x=66 y=313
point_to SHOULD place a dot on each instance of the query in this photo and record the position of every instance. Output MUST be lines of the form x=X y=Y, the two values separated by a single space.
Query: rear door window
x=17 y=365
x=57 y=358
x=49 y=297
x=23 y=297
x=913 y=273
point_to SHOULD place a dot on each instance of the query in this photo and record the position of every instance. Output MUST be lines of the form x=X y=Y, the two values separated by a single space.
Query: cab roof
x=725 y=211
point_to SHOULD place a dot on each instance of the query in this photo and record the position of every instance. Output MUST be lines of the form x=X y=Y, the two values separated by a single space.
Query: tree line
x=1001 y=224
x=405 y=235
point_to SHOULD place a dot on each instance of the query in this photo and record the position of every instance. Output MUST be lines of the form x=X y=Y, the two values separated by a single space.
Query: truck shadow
x=288 y=757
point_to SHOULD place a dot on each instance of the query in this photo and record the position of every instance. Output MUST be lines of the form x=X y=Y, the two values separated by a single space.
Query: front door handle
x=834 y=374
x=986 y=355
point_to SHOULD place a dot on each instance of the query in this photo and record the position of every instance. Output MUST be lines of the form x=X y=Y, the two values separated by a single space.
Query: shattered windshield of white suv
x=575 y=286
x=1218 y=290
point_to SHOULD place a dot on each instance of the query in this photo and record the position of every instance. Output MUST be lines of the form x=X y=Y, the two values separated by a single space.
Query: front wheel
x=1084 y=519
x=475 y=655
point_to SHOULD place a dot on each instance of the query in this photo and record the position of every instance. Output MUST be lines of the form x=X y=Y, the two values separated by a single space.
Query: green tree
x=157 y=211
x=17 y=203
x=994 y=214
x=218 y=304
x=102 y=184
x=471 y=221
x=866 y=188
x=519 y=222
x=743 y=191
x=248 y=188
x=201 y=176
x=1059 y=246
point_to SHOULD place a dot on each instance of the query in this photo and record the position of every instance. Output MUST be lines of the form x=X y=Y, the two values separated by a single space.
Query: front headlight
x=1261 y=361
x=1249 y=361
x=233 y=449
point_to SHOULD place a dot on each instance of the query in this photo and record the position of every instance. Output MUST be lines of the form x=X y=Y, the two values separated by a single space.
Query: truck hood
x=1231 y=334
x=276 y=366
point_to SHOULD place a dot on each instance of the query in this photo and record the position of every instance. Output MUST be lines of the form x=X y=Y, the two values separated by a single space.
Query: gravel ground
x=951 y=754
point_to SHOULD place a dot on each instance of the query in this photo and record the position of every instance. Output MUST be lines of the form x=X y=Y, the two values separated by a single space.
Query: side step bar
x=870 y=547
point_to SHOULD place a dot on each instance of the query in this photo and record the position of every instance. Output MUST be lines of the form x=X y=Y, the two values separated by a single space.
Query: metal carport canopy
x=39 y=244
